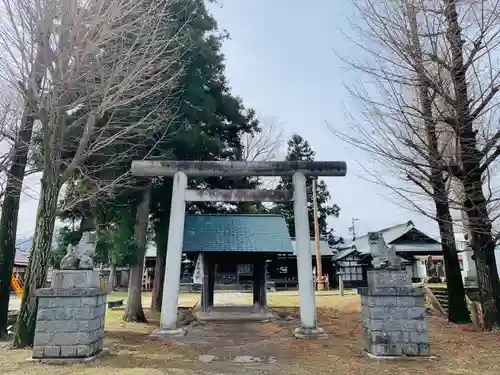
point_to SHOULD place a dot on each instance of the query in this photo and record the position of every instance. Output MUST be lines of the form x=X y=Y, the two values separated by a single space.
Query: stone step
x=441 y=295
x=233 y=314
x=439 y=291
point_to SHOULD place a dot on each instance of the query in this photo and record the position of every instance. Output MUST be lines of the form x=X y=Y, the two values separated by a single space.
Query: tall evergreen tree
x=300 y=150
x=209 y=124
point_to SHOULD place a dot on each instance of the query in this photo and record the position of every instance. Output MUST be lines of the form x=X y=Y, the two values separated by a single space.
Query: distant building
x=417 y=250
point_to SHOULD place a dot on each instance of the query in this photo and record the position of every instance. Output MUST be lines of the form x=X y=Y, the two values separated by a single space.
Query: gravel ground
x=269 y=348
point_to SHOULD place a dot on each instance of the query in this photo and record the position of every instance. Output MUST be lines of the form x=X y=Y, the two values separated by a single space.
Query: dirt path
x=270 y=348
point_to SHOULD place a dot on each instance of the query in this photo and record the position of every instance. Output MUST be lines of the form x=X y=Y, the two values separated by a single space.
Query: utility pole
x=319 y=266
x=353 y=228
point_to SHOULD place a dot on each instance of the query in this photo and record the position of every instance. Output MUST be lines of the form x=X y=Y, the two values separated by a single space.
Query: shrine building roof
x=236 y=233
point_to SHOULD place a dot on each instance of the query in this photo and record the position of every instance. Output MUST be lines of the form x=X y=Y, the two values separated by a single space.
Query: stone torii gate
x=181 y=170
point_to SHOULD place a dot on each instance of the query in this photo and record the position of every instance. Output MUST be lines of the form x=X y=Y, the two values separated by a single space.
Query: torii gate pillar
x=180 y=170
x=171 y=281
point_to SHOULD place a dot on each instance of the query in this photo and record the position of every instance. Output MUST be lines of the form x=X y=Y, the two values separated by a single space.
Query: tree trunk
x=457 y=311
x=10 y=204
x=134 y=311
x=112 y=276
x=161 y=238
x=475 y=203
x=38 y=263
x=483 y=246
x=457 y=305
x=10 y=210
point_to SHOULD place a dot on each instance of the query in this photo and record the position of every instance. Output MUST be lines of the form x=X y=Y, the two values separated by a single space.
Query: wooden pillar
x=259 y=283
x=205 y=287
x=256 y=283
x=211 y=283
x=237 y=275
x=263 y=284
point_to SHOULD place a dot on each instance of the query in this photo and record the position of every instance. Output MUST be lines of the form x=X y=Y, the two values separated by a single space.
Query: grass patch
x=440 y=286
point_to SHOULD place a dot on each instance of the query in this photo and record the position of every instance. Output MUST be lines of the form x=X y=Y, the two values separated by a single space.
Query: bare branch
x=264 y=144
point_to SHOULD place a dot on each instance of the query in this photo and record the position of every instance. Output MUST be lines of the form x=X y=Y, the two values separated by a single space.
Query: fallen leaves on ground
x=458 y=349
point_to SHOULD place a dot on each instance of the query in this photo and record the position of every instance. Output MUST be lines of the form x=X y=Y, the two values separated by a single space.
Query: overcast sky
x=282 y=60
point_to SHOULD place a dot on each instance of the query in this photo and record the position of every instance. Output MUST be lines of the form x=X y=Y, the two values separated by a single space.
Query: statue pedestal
x=394 y=316
x=69 y=279
x=70 y=318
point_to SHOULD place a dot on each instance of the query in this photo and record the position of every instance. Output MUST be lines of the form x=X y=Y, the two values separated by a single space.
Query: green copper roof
x=236 y=233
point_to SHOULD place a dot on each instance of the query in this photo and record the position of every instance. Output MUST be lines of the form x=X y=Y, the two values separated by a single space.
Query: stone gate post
x=307 y=327
x=168 y=321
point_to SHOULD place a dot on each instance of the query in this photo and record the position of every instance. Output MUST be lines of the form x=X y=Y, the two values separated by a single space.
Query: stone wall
x=70 y=322
x=394 y=315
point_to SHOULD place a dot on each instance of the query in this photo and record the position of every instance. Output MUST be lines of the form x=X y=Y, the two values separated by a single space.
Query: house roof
x=324 y=248
x=343 y=253
x=234 y=233
x=23 y=247
x=394 y=236
x=396 y=232
x=344 y=246
x=390 y=233
x=20 y=259
x=24 y=244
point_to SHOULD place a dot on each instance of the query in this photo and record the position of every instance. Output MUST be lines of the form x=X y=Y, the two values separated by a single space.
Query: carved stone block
x=70 y=317
x=394 y=316
x=65 y=279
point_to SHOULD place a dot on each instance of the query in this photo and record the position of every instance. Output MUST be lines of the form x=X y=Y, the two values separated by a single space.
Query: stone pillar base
x=71 y=361
x=397 y=357
x=165 y=333
x=303 y=333
x=257 y=308
x=394 y=316
x=70 y=317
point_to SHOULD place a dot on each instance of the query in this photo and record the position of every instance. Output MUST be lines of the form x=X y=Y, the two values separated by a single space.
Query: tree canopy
x=208 y=124
x=299 y=149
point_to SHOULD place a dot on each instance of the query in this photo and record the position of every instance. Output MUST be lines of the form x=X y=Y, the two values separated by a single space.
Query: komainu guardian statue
x=383 y=256
x=81 y=256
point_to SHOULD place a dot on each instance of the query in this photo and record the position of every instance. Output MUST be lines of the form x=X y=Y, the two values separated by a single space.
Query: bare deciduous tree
x=261 y=145
x=265 y=144
x=429 y=115
x=98 y=58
